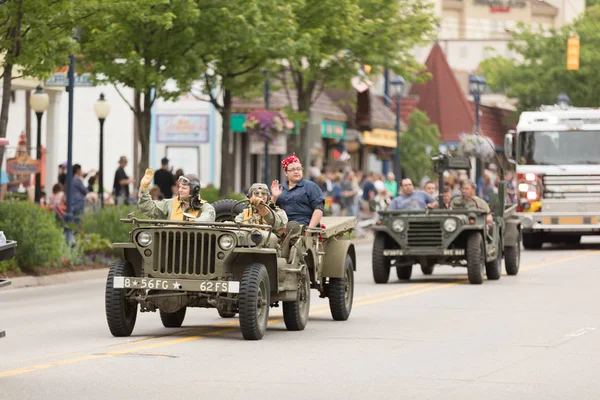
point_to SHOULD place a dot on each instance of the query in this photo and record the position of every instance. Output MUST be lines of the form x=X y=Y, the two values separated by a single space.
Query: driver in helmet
x=257 y=211
x=188 y=201
x=470 y=201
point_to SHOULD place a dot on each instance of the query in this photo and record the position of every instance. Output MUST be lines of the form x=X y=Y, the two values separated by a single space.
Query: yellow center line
x=321 y=309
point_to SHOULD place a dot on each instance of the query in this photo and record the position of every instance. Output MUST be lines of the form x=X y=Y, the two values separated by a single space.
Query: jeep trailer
x=234 y=267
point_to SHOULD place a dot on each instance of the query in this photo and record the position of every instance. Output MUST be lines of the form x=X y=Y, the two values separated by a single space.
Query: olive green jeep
x=237 y=268
x=459 y=237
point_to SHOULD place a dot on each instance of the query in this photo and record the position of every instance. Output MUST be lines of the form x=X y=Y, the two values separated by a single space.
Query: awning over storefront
x=380 y=137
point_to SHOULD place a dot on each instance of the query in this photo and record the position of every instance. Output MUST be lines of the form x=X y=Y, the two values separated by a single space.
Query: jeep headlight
x=144 y=238
x=450 y=225
x=398 y=225
x=226 y=242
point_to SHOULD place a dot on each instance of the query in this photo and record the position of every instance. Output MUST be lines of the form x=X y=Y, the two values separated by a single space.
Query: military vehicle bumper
x=423 y=252
x=182 y=285
x=7 y=251
x=560 y=222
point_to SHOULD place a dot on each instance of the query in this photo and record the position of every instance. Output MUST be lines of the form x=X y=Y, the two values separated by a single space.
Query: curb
x=78 y=276
x=56 y=279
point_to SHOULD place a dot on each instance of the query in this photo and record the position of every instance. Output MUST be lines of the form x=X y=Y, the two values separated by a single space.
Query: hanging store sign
x=22 y=165
x=380 y=137
x=333 y=130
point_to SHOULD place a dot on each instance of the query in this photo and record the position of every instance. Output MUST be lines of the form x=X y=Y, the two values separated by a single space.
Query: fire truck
x=556 y=153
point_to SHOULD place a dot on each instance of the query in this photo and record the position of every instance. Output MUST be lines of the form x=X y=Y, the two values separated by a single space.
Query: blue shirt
x=301 y=201
x=415 y=201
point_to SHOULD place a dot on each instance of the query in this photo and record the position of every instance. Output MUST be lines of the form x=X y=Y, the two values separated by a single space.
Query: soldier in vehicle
x=408 y=199
x=188 y=201
x=470 y=201
x=257 y=211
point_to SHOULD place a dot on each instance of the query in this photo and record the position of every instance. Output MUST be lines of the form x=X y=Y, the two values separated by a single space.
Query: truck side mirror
x=508 y=146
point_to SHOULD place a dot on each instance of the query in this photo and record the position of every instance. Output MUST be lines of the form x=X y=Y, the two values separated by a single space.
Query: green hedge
x=40 y=239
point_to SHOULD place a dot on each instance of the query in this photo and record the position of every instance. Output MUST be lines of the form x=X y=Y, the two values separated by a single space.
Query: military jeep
x=7 y=251
x=236 y=268
x=459 y=237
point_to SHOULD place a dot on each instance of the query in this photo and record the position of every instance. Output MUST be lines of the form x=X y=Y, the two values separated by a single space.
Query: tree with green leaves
x=539 y=72
x=420 y=140
x=145 y=45
x=238 y=40
x=35 y=39
x=336 y=37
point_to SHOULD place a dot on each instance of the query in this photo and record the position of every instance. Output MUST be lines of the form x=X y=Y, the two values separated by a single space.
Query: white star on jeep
x=176 y=285
x=135 y=283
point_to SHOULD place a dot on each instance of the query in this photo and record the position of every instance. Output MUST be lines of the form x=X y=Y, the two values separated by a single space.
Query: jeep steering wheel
x=451 y=202
x=272 y=226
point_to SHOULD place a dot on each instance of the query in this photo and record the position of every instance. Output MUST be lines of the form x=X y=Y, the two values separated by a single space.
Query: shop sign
x=22 y=165
x=182 y=128
x=380 y=137
x=333 y=130
x=277 y=146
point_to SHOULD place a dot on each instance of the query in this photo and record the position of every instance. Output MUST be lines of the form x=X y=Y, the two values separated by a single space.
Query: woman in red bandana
x=302 y=200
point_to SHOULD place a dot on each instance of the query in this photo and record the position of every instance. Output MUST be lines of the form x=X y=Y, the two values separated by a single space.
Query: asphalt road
x=530 y=336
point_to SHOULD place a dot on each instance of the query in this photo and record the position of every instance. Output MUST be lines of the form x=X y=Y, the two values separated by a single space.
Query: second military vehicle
x=459 y=237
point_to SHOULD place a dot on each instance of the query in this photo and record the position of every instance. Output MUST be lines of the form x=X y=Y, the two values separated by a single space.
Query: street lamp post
x=102 y=109
x=398 y=85
x=70 y=89
x=267 y=89
x=477 y=86
x=39 y=103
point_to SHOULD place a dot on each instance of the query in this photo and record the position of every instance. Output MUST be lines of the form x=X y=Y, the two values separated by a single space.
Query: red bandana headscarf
x=289 y=160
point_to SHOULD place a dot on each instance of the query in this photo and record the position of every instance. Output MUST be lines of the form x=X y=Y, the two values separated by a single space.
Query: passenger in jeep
x=188 y=201
x=257 y=211
x=301 y=199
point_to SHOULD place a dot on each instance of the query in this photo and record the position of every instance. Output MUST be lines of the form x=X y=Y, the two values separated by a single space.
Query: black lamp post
x=398 y=85
x=102 y=109
x=477 y=86
x=563 y=100
x=267 y=89
x=39 y=103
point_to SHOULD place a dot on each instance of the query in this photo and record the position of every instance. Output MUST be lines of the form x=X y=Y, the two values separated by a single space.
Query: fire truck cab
x=557 y=159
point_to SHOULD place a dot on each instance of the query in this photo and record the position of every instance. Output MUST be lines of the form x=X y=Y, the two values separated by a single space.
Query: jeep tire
x=223 y=210
x=341 y=292
x=427 y=267
x=380 y=264
x=475 y=258
x=512 y=258
x=174 y=319
x=493 y=269
x=254 y=301
x=295 y=313
x=121 y=313
x=403 y=271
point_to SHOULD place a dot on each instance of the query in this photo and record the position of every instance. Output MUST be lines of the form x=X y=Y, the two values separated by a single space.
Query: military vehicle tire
x=532 y=242
x=427 y=267
x=380 y=264
x=295 y=313
x=493 y=269
x=174 y=319
x=404 y=272
x=223 y=209
x=121 y=314
x=475 y=258
x=254 y=301
x=341 y=292
x=227 y=314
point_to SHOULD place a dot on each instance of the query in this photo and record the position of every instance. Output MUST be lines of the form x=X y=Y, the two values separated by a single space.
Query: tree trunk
x=6 y=87
x=304 y=105
x=143 y=118
x=227 y=159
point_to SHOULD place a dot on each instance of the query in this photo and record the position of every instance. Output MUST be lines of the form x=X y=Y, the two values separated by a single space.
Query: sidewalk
x=98 y=273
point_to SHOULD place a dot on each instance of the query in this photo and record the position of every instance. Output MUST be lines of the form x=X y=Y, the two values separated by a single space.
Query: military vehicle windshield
x=559 y=147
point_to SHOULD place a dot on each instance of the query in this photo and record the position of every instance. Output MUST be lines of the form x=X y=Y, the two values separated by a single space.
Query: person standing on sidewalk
x=165 y=180
x=121 y=183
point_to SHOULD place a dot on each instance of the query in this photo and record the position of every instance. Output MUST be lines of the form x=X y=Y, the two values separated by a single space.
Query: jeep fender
x=240 y=258
x=334 y=259
x=511 y=232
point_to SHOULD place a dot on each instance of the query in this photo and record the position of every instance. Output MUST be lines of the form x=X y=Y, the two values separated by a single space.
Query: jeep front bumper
x=423 y=252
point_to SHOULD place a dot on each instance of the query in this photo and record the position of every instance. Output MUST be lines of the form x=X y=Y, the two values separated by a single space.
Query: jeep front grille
x=424 y=233
x=184 y=253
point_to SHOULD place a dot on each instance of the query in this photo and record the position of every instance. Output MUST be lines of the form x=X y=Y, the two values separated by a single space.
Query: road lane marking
x=360 y=301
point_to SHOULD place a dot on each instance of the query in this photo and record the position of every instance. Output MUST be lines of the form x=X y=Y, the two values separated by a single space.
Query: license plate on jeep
x=122 y=282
